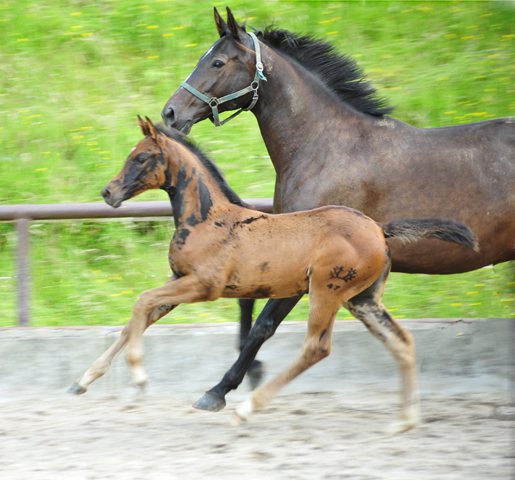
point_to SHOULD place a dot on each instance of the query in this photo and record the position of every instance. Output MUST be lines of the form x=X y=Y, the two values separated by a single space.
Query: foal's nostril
x=168 y=115
x=106 y=194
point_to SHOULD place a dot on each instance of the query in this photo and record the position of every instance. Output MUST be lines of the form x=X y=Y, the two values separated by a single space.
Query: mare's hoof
x=76 y=389
x=209 y=402
x=255 y=373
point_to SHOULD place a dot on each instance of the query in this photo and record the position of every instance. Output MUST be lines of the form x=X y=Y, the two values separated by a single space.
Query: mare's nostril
x=168 y=115
x=106 y=194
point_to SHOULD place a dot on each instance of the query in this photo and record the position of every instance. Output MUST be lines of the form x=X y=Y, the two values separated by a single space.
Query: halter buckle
x=214 y=101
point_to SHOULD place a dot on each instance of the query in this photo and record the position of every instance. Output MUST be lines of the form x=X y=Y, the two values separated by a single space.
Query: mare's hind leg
x=368 y=308
x=255 y=371
x=317 y=345
x=102 y=364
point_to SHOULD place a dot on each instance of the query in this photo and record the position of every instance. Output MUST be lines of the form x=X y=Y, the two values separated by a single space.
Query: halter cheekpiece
x=253 y=87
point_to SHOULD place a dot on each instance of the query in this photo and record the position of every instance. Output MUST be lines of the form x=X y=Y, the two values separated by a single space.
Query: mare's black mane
x=339 y=72
x=211 y=167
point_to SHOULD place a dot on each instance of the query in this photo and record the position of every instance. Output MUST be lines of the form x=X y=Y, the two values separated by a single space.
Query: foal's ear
x=221 y=26
x=143 y=126
x=152 y=130
x=234 y=28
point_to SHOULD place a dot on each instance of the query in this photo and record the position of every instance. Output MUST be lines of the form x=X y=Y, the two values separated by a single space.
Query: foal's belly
x=269 y=278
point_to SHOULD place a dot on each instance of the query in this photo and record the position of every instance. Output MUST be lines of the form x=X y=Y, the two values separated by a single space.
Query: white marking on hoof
x=236 y=420
x=409 y=420
x=244 y=411
x=140 y=377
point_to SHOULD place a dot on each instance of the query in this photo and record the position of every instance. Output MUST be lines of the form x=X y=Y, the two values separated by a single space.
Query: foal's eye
x=217 y=64
x=140 y=159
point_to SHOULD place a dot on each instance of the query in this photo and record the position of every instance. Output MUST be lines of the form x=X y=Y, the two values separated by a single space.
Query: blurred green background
x=74 y=74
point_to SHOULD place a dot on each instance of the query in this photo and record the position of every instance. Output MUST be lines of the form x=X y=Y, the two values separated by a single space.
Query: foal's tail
x=408 y=230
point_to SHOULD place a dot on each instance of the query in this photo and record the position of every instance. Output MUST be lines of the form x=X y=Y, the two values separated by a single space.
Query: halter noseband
x=253 y=87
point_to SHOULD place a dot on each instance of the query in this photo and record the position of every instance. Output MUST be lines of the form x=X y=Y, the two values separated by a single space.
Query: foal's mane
x=210 y=166
x=339 y=72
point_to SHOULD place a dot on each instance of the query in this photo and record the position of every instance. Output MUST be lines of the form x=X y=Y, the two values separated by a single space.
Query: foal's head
x=145 y=168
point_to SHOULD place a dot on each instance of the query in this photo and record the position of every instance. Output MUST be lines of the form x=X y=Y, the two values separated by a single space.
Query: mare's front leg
x=255 y=372
x=273 y=314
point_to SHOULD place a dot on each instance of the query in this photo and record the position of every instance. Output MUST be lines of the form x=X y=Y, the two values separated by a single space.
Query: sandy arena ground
x=313 y=436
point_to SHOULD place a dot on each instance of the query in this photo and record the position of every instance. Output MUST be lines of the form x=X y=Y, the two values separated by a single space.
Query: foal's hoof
x=76 y=389
x=255 y=373
x=209 y=402
x=400 y=426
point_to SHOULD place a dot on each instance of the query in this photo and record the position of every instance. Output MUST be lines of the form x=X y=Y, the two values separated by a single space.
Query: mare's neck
x=296 y=110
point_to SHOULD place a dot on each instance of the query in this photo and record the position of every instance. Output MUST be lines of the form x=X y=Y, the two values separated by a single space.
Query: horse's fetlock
x=100 y=367
x=134 y=356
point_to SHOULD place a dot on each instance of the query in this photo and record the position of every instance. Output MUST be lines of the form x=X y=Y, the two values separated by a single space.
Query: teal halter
x=253 y=87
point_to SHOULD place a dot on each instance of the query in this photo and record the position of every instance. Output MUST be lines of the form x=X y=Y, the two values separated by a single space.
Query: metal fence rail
x=23 y=214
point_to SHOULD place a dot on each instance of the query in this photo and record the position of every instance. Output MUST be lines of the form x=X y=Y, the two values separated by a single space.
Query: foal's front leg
x=102 y=364
x=185 y=289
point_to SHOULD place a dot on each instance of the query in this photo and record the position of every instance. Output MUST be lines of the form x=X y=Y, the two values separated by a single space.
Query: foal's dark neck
x=198 y=186
x=191 y=197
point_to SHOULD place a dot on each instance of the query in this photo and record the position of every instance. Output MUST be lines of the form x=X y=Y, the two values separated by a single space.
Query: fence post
x=22 y=228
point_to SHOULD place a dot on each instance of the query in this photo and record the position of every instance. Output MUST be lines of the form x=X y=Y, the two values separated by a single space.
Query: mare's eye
x=217 y=64
x=140 y=159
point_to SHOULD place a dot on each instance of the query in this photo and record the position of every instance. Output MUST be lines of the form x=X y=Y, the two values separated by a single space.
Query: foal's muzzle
x=114 y=199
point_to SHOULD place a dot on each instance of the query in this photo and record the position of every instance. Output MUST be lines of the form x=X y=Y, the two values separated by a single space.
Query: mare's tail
x=408 y=230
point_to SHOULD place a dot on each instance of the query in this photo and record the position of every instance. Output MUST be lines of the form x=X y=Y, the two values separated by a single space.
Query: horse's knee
x=159 y=312
x=261 y=331
x=143 y=304
x=313 y=353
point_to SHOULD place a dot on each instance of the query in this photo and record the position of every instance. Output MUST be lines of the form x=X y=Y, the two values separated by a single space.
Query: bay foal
x=222 y=248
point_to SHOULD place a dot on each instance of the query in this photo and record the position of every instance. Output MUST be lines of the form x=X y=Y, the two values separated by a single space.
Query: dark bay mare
x=222 y=248
x=331 y=143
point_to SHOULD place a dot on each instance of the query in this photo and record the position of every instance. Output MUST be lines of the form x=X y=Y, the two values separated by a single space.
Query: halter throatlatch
x=253 y=87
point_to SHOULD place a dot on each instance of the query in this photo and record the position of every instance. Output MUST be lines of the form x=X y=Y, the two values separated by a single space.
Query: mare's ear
x=234 y=28
x=143 y=126
x=152 y=130
x=221 y=26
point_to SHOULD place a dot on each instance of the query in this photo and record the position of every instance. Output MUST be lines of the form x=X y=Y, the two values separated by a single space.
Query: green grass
x=73 y=76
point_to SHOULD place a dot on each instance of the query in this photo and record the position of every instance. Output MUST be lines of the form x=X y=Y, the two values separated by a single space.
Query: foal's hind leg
x=368 y=308
x=317 y=346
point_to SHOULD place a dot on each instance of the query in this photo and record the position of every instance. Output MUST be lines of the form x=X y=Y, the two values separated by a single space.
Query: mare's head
x=230 y=67
x=227 y=67
x=145 y=168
